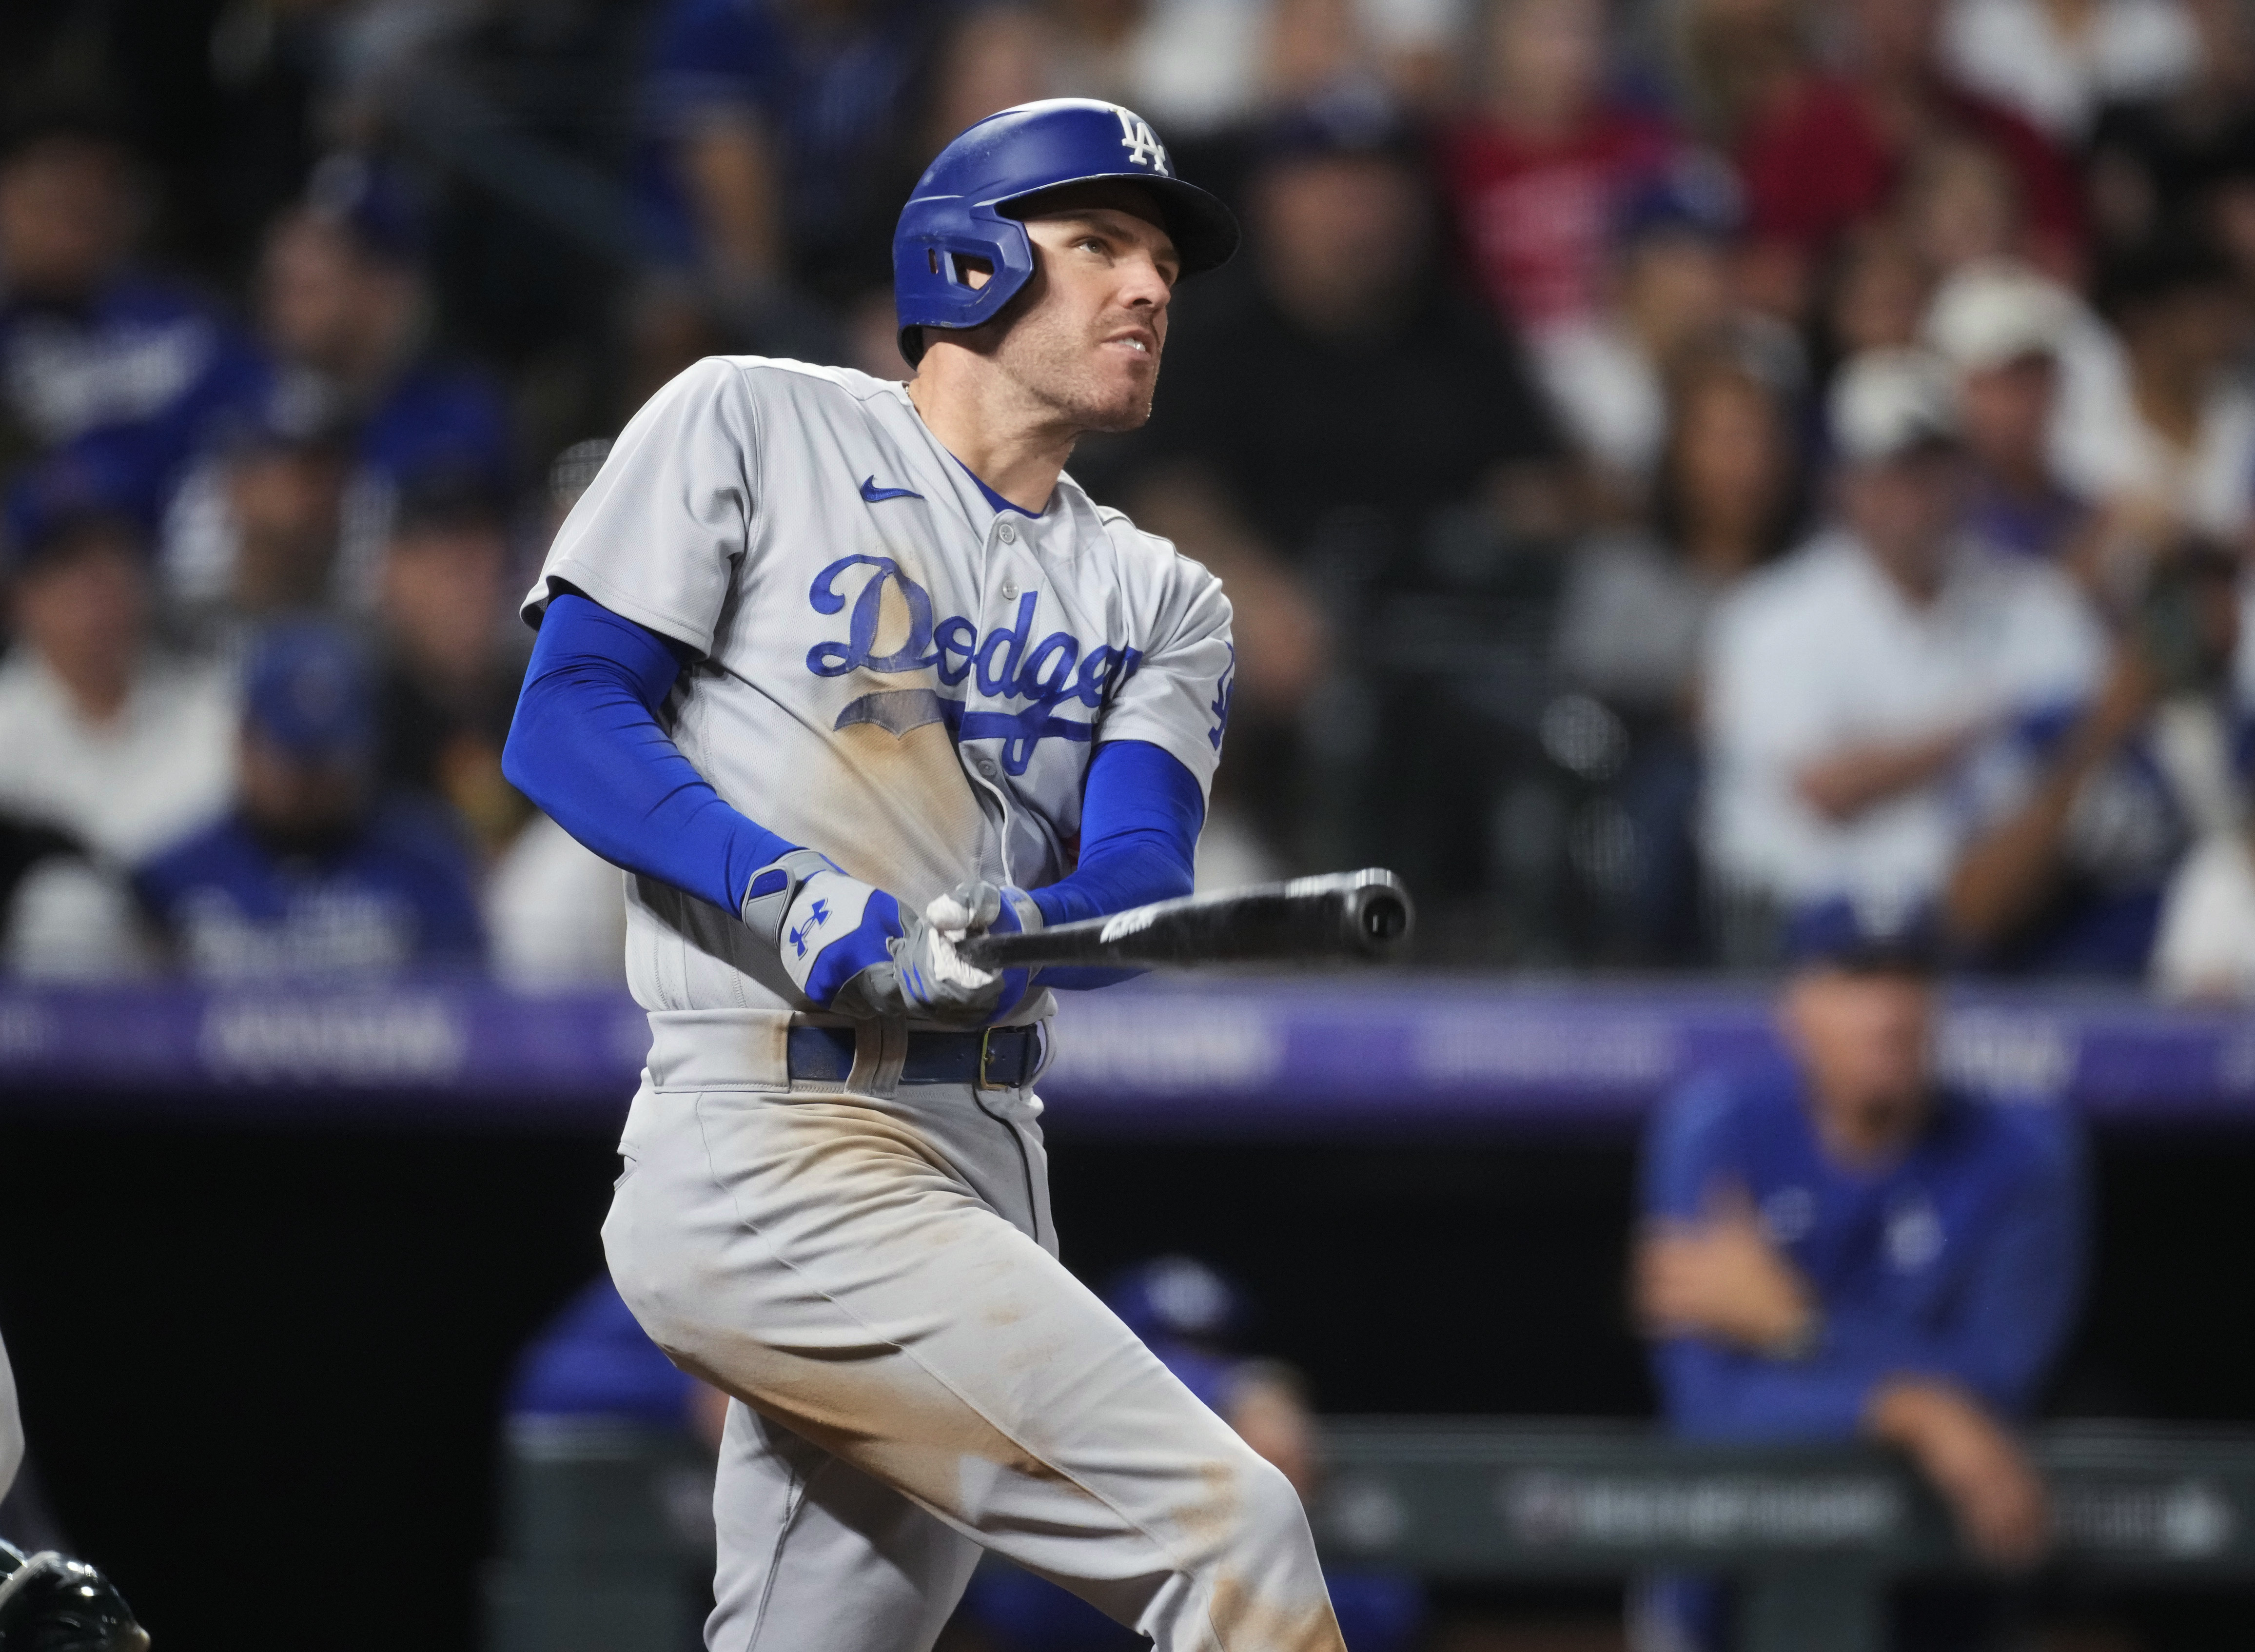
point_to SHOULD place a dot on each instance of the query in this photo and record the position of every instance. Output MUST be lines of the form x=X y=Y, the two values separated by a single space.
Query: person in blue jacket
x=1841 y=1246
x=114 y=369
x=314 y=876
x=343 y=315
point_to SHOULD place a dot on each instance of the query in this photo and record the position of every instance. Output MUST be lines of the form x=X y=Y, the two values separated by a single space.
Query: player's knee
x=1268 y=1511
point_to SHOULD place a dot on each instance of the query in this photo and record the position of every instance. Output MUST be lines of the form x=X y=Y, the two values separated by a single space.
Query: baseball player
x=842 y=670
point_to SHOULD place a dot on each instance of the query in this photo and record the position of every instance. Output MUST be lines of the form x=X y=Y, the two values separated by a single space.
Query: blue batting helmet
x=968 y=203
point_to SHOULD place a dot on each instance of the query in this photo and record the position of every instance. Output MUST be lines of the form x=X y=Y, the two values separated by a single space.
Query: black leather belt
x=999 y=1059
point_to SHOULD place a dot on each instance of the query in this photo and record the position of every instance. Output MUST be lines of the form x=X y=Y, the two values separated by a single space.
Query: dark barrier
x=609 y=1539
x=1185 y=1056
x=1814 y=1534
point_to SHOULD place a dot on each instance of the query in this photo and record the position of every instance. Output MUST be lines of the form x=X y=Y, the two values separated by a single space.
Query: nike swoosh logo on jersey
x=876 y=495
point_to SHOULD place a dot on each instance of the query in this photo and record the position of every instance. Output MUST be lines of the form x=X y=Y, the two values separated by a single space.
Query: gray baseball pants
x=873 y=1277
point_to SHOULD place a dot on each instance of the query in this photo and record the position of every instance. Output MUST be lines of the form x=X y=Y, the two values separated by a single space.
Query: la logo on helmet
x=1142 y=143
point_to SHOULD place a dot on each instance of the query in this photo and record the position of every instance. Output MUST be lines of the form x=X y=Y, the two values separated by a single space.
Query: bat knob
x=1379 y=913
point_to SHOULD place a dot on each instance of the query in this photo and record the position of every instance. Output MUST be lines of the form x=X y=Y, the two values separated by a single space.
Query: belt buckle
x=986 y=1054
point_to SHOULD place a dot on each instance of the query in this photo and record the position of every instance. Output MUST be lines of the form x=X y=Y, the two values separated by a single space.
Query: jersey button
x=1010 y=590
x=1005 y=533
x=986 y=767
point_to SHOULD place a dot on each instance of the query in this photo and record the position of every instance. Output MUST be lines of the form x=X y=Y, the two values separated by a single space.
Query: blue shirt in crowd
x=137 y=378
x=2038 y=528
x=2129 y=827
x=437 y=420
x=1962 y=1262
x=395 y=896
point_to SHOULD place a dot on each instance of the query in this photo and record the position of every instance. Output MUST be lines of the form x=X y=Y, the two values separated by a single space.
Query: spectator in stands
x=1538 y=172
x=2079 y=813
x=1830 y=152
x=2004 y=329
x=1840 y=1246
x=1320 y=51
x=1634 y=615
x=1734 y=59
x=1192 y=1317
x=101 y=735
x=774 y=150
x=1312 y=517
x=1846 y=684
x=451 y=668
x=108 y=748
x=64 y=915
x=1960 y=204
x=315 y=874
x=284 y=489
x=342 y=304
x=90 y=350
x=1669 y=287
x=2180 y=451
x=2204 y=945
x=1878 y=288
x=997 y=56
x=2057 y=64
x=2154 y=156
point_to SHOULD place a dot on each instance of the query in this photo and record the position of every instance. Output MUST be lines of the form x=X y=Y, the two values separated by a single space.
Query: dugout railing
x=608 y=1535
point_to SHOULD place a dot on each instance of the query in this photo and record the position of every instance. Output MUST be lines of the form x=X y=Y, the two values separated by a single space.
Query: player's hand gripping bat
x=1364 y=914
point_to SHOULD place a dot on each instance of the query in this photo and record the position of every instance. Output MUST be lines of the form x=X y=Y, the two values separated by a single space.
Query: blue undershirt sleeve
x=1140 y=814
x=587 y=746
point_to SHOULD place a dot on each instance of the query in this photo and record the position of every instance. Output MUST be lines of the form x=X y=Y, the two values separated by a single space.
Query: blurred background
x=1709 y=490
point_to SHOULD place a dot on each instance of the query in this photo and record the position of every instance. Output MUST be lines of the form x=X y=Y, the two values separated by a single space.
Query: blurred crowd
x=1676 y=463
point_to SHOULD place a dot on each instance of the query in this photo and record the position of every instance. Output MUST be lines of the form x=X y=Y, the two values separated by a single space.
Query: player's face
x=1089 y=338
x=1865 y=1040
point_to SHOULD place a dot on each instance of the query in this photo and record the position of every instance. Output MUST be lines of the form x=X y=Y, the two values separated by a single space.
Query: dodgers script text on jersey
x=890 y=668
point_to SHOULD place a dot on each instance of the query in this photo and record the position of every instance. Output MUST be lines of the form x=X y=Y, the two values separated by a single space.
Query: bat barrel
x=1362 y=914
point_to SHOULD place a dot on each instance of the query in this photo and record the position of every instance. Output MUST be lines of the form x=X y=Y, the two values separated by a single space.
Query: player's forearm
x=587 y=746
x=1140 y=812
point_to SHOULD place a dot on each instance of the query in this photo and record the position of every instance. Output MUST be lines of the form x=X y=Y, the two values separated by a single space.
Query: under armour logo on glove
x=817 y=915
x=1142 y=143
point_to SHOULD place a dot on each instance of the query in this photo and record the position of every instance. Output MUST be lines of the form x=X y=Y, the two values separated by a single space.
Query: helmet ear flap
x=935 y=263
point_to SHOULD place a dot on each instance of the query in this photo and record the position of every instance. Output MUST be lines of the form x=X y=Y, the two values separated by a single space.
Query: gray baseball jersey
x=893 y=671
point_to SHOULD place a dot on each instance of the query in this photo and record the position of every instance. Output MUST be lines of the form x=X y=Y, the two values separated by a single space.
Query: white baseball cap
x=1992 y=314
x=1885 y=403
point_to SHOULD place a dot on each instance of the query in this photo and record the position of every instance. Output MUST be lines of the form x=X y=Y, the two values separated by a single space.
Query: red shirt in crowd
x=1537 y=216
x=1821 y=162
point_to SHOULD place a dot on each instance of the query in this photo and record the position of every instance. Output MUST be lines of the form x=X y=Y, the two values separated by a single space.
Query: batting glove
x=849 y=947
x=983 y=909
x=831 y=930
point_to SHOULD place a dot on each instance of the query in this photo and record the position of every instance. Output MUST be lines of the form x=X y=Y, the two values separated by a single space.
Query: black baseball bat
x=1364 y=914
